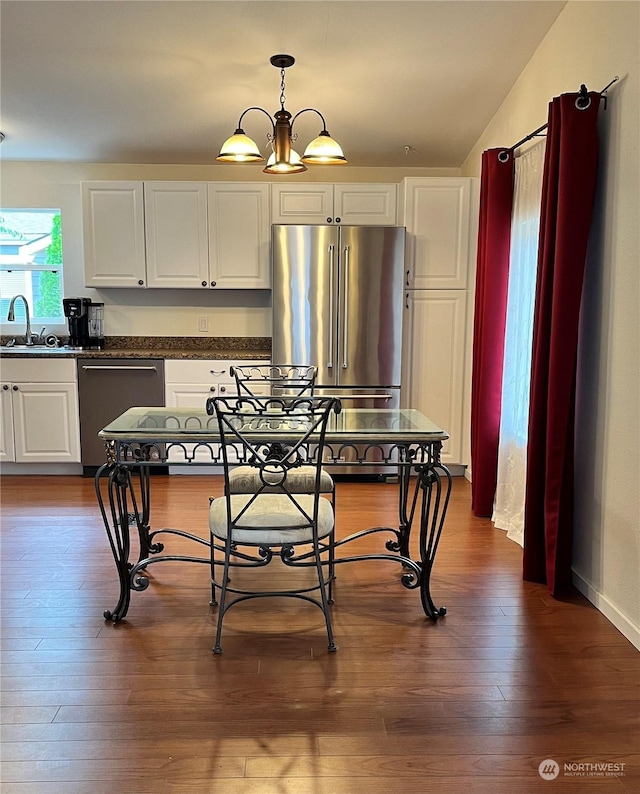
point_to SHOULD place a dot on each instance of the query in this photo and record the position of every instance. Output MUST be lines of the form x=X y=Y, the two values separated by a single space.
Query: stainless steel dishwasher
x=106 y=388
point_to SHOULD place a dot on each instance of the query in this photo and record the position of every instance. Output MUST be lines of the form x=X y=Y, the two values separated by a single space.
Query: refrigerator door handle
x=332 y=316
x=345 y=313
x=357 y=396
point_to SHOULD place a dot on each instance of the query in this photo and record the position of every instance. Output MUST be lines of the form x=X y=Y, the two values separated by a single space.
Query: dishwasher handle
x=116 y=367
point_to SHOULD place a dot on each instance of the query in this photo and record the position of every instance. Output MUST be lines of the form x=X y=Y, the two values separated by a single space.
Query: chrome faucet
x=28 y=336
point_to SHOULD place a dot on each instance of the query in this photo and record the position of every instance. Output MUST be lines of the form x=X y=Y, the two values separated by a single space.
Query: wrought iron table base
x=124 y=508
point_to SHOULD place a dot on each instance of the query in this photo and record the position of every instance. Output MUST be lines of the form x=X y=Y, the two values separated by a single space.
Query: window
x=508 y=510
x=31 y=263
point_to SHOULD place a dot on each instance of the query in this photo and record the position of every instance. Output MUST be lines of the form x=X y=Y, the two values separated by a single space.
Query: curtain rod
x=582 y=102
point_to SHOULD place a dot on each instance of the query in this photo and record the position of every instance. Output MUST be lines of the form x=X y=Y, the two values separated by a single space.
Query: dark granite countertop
x=165 y=347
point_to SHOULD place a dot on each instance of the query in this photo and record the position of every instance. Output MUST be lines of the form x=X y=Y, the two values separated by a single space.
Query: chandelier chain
x=282 y=97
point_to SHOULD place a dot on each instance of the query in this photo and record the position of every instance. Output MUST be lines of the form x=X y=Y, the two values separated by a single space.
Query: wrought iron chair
x=277 y=380
x=298 y=527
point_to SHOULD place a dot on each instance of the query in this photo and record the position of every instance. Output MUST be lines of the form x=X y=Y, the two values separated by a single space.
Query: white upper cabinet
x=239 y=235
x=305 y=203
x=436 y=213
x=372 y=204
x=176 y=234
x=366 y=205
x=180 y=235
x=114 y=246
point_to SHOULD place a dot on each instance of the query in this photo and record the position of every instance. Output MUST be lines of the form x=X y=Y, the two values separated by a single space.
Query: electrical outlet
x=203 y=325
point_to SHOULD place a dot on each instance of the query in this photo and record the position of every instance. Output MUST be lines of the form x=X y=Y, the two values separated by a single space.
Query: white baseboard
x=609 y=610
x=456 y=469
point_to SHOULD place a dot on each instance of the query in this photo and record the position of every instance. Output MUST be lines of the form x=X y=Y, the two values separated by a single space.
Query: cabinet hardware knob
x=329 y=220
x=141 y=283
x=338 y=220
x=212 y=389
x=213 y=283
x=204 y=283
x=5 y=387
x=223 y=389
x=15 y=388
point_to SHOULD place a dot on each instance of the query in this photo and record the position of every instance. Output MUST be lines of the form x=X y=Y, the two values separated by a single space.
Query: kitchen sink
x=32 y=349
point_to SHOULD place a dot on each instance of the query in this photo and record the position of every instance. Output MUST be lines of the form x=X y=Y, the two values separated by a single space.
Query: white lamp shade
x=239 y=148
x=294 y=166
x=324 y=150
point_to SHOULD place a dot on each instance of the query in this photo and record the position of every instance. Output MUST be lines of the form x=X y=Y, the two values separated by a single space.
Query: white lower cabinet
x=39 y=405
x=7 y=444
x=433 y=366
x=190 y=384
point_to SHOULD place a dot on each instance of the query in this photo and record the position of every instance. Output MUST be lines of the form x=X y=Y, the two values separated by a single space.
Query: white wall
x=590 y=43
x=132 y=312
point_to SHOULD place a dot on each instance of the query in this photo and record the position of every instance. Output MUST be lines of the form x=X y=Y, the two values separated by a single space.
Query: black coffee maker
x=76 y=310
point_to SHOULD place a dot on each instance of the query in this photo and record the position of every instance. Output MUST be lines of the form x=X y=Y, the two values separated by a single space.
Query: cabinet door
x=239 y=235
x=7 y=448
x=195 y=395
x=176 y=234
x=433 y=361
x=113 y=225
x=306 y=203
x=188 y=395
x=436 y=215
x=366 y=205
x=38 y=439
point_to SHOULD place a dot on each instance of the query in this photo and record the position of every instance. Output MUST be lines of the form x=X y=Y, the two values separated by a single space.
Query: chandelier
x=323 y=150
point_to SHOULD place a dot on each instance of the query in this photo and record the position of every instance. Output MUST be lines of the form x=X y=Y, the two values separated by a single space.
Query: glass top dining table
x=351 y=425
x=144 y=437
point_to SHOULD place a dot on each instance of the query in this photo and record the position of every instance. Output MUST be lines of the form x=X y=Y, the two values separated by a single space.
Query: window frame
x=21 y=265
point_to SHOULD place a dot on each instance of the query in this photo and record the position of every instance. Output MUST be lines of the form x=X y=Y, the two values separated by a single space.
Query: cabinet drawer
x=209 y=371
x=41 y=370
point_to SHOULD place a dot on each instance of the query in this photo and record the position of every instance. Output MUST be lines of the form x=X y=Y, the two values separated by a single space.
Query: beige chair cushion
x=272 y=519
x=246 y=479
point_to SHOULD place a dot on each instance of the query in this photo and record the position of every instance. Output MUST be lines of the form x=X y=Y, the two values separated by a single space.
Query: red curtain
x=492 y=280
x=568 y=190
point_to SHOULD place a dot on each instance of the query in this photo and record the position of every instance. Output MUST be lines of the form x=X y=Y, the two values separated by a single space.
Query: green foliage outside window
x=50 y=300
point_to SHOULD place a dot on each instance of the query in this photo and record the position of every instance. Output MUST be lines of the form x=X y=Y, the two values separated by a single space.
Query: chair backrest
x=280 y=379
x=277 y=436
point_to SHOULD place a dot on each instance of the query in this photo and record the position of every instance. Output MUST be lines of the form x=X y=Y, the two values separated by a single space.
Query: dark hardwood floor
x=473 y=703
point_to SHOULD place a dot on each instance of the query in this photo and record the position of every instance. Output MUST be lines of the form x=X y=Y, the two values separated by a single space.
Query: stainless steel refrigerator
x=337 y=304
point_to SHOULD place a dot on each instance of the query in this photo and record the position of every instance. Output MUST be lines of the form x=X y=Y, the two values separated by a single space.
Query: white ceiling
x=165 y=82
